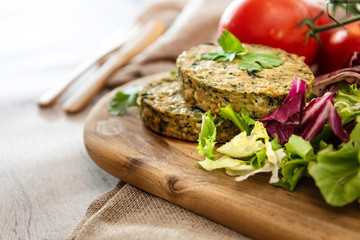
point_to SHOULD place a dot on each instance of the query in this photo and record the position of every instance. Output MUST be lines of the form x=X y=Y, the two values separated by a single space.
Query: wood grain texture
x=125 y=148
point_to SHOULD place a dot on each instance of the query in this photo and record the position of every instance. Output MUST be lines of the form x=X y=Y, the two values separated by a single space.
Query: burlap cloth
x=126 y=212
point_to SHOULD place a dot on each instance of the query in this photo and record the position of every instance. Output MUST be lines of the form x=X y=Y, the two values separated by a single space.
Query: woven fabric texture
x=127 y=212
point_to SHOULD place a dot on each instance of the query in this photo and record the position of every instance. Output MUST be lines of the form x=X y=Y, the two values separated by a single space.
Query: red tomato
x=272 y=23
x=338 y=48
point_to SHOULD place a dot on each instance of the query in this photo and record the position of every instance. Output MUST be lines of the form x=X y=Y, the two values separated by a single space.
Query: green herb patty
x=207 y=83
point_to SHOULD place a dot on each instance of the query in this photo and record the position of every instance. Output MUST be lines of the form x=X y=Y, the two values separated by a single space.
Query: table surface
x=47 y=178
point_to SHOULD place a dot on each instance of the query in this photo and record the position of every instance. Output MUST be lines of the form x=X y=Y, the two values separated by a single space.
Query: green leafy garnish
x=251 y=61
x=123 y=100
x=207 y=136
x=230 y=43
x=219 y=56
x=337 y=172
x=255 y=61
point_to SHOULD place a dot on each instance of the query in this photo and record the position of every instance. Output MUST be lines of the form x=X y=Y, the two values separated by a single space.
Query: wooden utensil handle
x=144 y=37
x=49 y=97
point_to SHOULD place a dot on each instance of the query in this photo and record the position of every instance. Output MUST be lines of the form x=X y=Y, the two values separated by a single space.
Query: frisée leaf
x=242 y=145
x=347 y=102
x=223 y=162
x=207 y=136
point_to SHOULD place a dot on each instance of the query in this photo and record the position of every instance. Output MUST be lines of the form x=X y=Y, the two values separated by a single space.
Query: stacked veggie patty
x=174 y=105
x=164 y=110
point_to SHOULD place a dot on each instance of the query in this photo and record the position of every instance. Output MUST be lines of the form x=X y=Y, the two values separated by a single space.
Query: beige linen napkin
x=127 y=212
x=196 y=23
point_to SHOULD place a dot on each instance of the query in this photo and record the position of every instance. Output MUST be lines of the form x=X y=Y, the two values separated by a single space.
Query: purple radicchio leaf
x=315 y=115
x=285 y=120
x=353 y=61
x=350 y=73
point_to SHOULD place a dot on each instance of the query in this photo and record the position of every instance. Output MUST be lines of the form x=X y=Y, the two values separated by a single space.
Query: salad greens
x=299 y=153
x=315 y=115
x=207 y=136
x=337 y=172
x=334 y=168
x=258 y=153
x=285 y=120
x=243 y=145
x=124 y=99
x=347 y=102
x=294 y=118
x=241 y=120
x=251 y=61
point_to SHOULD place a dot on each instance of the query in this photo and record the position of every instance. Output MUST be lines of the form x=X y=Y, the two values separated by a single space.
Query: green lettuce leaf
x=241 y=120
x=298 y=148
x=223 y=162
x=257 y=160
x=300 y=152
x=337 y=172
x=292 y=172
x=242 y=145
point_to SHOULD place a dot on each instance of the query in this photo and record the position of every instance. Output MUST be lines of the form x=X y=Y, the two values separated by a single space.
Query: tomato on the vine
x=341 y=43
x=273 y=23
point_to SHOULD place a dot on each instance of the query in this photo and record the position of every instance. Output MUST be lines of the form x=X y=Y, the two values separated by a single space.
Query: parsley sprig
x=124 y=99
x=254 y=61
x=251 y=61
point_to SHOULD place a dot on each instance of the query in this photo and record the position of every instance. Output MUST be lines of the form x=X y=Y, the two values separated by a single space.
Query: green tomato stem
x=318 y=29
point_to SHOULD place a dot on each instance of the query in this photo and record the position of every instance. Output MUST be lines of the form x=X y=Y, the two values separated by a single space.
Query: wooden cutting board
x=125 y=148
